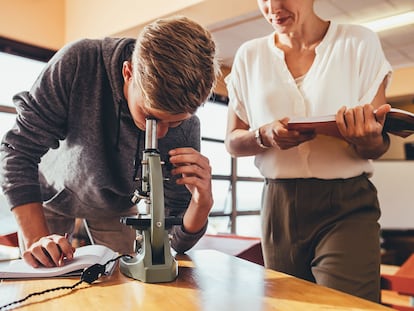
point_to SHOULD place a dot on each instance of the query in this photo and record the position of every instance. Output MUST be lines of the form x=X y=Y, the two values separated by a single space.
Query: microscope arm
x=157 y=206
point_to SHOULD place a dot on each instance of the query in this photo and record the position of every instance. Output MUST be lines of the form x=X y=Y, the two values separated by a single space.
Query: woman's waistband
x=314 y=179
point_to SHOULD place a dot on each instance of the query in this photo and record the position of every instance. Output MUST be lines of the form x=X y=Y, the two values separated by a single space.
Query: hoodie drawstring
x=118 y=129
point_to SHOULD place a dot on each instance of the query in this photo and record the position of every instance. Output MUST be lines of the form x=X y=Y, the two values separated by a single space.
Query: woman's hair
x=175 y=65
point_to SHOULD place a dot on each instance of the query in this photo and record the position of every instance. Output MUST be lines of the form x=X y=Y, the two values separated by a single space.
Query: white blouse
x=347 y=71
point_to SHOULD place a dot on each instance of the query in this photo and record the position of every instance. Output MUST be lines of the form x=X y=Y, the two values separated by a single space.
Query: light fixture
x=391 y=22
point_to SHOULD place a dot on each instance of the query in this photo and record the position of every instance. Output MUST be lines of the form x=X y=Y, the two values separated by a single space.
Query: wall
x=400 y=94
x=396 y=150
x=99 y=18
x=402 y=85
x=221 y=85
x=394 y=180
x=52 y=23
x=209 y=13
x=40 y=22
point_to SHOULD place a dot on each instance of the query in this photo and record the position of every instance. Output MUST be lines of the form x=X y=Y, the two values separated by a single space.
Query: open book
x=9 y=252
x=398 y=122
x=84 y=257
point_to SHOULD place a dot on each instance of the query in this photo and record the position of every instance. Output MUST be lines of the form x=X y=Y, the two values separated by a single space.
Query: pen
x=60 y=262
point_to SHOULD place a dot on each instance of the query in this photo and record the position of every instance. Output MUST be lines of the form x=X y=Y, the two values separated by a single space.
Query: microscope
x=152 y=261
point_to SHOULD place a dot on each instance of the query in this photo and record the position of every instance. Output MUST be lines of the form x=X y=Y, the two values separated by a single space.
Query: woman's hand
x=276 y=134
x=363 y=128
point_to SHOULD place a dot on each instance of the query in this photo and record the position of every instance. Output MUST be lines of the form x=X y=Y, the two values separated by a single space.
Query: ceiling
x=398 y=44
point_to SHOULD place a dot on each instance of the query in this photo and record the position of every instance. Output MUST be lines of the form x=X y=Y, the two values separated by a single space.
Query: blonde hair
x=174 y=63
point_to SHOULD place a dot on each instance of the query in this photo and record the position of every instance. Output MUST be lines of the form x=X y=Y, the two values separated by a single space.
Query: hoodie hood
x=115 y=52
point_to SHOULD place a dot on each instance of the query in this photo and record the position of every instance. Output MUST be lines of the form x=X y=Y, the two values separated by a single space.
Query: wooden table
x=207 y=280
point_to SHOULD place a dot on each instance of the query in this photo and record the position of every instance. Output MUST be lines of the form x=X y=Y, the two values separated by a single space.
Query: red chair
x=248 y=248
x=402 y=284
x=9 y=239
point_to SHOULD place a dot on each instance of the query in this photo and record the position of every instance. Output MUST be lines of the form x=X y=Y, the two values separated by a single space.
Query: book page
x=9 y=252
x=313 y=119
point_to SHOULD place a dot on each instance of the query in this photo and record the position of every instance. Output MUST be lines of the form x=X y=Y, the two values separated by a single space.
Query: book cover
x=398 y=122
x=84 y=257
x=323 y=125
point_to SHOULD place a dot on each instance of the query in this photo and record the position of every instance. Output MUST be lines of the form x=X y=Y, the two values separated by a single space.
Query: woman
x=320 y=211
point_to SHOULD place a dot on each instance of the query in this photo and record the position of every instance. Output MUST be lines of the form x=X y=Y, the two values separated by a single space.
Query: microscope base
x=142 y=268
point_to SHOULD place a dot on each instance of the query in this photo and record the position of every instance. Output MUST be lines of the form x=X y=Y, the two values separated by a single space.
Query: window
x=17 y=74
x=20 y=65
x=237 y=184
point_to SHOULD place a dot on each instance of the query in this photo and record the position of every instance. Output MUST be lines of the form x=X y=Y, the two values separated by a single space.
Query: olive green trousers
x=324 y=231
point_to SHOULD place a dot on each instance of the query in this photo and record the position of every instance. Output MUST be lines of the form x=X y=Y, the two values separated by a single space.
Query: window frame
x=233 y=178
x=26 y=50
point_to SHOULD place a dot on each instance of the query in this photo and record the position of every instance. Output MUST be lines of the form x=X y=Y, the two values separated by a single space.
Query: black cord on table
x=89 y=275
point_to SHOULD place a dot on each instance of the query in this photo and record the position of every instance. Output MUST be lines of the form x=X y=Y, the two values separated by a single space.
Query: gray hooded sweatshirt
x=74 y=144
